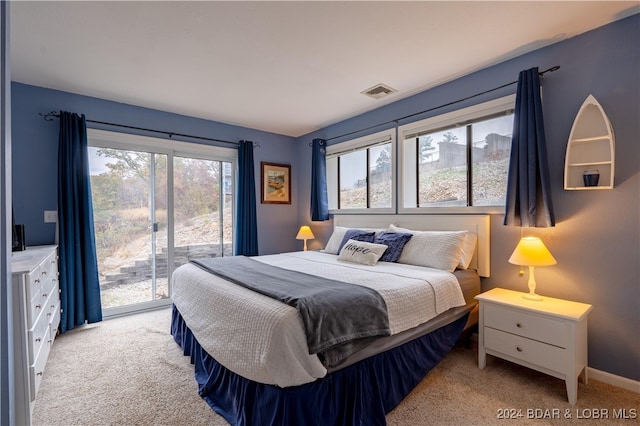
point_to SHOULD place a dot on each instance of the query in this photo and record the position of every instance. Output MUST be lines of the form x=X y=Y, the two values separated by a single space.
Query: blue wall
x=597 y=237
x=35 y=157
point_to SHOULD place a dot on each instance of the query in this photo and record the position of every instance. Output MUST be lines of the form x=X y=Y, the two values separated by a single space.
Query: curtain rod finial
x=49 y=116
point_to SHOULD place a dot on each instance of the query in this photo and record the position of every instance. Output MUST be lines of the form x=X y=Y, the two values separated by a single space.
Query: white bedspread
x=263 y=339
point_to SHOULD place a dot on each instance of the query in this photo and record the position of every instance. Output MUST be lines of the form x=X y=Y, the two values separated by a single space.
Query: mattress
x=262 y=339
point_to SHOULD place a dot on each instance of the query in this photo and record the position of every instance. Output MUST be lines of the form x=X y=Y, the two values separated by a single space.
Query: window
x=457 y=160
x=360 y=174
x=156 y=204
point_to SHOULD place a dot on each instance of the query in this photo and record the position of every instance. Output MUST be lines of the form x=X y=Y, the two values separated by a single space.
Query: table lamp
x=305 y=234
x=532 y=252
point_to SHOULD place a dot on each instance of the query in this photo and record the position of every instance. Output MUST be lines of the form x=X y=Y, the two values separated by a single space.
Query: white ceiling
x=283 y=67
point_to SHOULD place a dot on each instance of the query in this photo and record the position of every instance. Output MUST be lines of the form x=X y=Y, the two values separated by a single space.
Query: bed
x=259 y=360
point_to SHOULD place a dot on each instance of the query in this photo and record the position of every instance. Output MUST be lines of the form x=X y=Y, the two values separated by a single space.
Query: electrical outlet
x=50 y=216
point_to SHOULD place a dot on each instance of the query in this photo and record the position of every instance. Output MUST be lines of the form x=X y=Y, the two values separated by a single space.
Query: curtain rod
x=541 y=74
x=48 y=117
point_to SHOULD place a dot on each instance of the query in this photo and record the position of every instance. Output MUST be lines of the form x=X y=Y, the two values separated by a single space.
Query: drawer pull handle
x=37 y=280
x=44 y=295
x=48 y=314
x=44 y=272
x=519 y=325
x=39 y=373
x=518 y=348
x=38 y=340
x=38 y=306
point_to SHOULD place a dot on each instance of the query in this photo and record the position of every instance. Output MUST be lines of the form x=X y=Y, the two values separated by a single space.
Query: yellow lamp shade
x=531 y=251
x=305 y=233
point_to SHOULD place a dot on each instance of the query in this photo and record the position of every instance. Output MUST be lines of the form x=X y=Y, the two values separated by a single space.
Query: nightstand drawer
x=530 y=351
x=543 y=329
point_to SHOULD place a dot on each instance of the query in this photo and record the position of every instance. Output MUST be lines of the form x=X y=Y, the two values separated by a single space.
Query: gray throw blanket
x=338 y=317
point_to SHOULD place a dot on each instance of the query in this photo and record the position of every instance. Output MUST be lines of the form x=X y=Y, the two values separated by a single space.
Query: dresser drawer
x=49 y=268
x=34 y=286
x=523 y=349
x=38 y=335
x=35 y=308
x=36 y=370
x=543 y=329
x=49 y=286
x=52 y=305
x=55 y=322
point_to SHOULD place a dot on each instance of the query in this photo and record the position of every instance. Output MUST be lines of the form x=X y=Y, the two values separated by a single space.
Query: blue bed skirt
x=360 y=394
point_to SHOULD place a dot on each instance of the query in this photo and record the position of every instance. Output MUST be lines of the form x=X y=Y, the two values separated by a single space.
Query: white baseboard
x=612 y=379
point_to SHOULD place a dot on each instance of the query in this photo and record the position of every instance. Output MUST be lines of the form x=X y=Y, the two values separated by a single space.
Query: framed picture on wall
x=275 y=183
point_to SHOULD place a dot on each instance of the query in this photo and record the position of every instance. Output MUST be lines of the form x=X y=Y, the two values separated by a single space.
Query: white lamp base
x=534 y=296
x=532 y=287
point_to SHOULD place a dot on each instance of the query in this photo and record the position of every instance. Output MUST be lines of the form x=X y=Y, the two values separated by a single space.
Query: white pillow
x=468 y=249
x=338 y=235
x=362 y=252
x=433 y=249
x=335 y=240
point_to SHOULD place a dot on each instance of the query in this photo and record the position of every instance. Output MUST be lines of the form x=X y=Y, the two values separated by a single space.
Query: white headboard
x=479 y=224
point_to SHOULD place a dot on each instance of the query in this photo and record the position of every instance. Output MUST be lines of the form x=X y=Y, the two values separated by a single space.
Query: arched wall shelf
x=591 y=147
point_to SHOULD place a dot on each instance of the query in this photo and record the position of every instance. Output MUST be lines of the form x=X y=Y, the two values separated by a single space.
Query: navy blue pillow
x=395 y=242
x=358 y=235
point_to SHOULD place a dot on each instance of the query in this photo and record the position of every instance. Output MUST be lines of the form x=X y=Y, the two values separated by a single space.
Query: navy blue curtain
x=528 y=201
x=246 y=242
x=79 y=285
x=319 y=201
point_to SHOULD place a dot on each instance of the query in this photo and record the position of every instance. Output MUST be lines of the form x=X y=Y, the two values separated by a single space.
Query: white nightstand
x=548 y=335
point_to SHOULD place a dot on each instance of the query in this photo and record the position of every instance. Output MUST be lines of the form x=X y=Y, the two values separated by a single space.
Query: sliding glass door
x=155 y=209
x=202 y=209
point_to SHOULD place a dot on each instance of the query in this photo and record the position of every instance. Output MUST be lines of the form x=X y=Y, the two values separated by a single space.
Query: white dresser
x=36 y=316
x=548 y=335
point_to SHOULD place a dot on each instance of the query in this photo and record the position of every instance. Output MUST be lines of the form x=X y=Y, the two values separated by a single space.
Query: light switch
x=50 y=216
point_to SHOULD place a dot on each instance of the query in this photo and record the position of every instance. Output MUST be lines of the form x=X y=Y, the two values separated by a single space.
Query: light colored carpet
x=129 y=371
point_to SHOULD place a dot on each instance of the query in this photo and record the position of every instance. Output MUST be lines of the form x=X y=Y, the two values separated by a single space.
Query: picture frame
x=275 y=183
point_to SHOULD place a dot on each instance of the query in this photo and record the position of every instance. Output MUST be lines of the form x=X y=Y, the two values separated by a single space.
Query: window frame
x=407 y=177
x=358 y=144
x=170 y=148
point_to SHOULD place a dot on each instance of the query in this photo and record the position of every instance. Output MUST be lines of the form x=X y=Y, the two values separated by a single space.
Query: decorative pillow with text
x=361 y=252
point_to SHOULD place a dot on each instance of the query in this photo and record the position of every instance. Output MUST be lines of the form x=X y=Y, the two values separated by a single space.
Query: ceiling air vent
x=378 y=91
